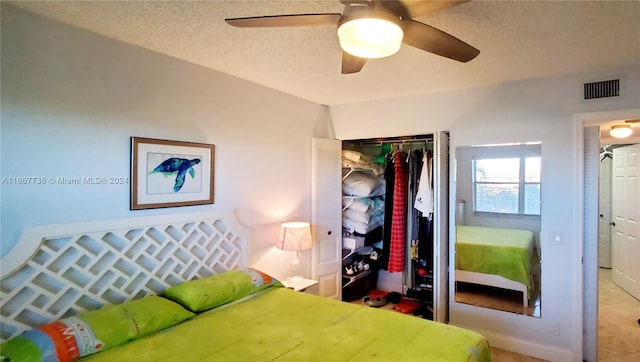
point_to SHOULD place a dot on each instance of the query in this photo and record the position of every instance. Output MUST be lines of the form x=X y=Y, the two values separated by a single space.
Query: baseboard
x=509 y=343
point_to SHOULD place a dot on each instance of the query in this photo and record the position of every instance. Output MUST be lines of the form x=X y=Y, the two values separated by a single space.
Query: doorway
x=618 y=310
x=590 y=126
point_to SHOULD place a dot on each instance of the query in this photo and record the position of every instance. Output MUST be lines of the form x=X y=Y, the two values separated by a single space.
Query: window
x=507 y=185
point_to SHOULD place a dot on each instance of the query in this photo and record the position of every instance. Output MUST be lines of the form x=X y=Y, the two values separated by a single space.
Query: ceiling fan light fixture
x=621 y=131
x=370 y=35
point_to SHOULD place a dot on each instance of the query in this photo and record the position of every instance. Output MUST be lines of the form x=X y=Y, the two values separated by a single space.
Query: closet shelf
x=353 y=197
x=347 y=200
x=349 y=279
x=346 y=171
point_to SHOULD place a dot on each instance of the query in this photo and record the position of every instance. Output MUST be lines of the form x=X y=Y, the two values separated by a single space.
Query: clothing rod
x=402 y=139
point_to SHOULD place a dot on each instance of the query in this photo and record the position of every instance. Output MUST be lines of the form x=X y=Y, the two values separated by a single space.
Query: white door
x=626 y=230
x=326 y=216
x=604 y=219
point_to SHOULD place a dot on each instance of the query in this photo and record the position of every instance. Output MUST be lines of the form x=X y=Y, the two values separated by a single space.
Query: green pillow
x=69 y=339
x=120 y=323
x=207 y=293
x=22 y=348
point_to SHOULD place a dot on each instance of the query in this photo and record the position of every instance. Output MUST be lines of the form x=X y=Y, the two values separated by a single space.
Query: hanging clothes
x=425 y=239
x=424 y=197
x=424 y=203
x=399 y=216
x=413 y=215
x=415 y=168
x=389 y=174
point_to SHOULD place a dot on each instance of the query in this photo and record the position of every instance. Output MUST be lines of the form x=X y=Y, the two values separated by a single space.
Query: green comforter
x=505 y=252
x=282 y=325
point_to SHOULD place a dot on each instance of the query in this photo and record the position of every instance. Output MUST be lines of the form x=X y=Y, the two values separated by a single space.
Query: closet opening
x=389 y=219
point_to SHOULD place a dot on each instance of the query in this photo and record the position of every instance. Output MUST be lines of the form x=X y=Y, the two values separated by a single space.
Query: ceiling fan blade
x=274 y=21
x=413 y=8
x=419 y=8
x=351 y=64
x=430 y=39
x=356 y=2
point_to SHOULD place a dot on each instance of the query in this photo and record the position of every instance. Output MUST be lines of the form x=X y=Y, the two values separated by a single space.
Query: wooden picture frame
x=170 y=173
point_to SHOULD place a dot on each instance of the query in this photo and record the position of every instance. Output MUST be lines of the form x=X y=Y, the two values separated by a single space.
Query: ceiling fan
x=370 y=29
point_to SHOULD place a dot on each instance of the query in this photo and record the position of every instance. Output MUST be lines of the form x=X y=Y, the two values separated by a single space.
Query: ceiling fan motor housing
x=370 y=33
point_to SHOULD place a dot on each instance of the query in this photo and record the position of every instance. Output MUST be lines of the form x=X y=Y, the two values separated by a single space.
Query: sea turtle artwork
x=179 y=167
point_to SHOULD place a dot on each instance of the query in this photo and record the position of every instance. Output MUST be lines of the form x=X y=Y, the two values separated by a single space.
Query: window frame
x=522 y=183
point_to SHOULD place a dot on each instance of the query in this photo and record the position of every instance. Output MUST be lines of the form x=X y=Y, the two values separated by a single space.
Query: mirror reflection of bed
x=497 y=247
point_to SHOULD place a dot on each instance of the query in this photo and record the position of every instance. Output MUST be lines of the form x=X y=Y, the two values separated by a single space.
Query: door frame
x=588 y=322
x=604 y=226
x=441 y=230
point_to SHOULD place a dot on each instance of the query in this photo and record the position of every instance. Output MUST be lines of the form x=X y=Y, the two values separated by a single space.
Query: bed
x=498 y=257
x=177 y=288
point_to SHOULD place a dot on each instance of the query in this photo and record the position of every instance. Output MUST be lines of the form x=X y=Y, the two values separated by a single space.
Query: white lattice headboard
x=56 y=271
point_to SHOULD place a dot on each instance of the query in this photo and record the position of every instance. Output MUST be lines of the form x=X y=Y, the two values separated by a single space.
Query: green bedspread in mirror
x=505 y=252
x=282 y=325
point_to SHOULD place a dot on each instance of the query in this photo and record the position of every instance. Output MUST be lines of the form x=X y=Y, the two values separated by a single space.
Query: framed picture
x=170 y=173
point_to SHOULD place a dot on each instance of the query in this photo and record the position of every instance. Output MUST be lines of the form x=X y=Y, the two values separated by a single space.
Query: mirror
x=497 y=239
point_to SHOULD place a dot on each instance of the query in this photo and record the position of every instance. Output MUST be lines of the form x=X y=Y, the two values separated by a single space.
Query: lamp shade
x=621 y=131
x=370 y=35
x=294 y=236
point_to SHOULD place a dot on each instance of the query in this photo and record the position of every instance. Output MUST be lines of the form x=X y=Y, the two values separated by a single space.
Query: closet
x=394 y=218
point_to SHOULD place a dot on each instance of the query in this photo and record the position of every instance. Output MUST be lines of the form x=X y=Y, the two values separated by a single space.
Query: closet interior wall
x=409 y=266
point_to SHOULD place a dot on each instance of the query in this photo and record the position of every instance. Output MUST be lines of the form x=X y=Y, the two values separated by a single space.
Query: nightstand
x=299 y=284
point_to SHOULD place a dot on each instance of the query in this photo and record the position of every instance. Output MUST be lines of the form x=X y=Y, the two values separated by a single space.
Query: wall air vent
x=603 y=89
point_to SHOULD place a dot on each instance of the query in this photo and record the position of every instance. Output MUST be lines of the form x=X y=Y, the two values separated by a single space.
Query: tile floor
x=618 y=328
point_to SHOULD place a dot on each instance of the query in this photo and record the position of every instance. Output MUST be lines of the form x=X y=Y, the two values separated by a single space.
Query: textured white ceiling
x=518 y=40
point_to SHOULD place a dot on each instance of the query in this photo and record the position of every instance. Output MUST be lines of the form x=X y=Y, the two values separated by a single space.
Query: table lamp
x=294 y=236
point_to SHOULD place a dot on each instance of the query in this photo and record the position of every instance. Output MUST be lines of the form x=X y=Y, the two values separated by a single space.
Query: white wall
x=537 y=110
x=71 y=100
